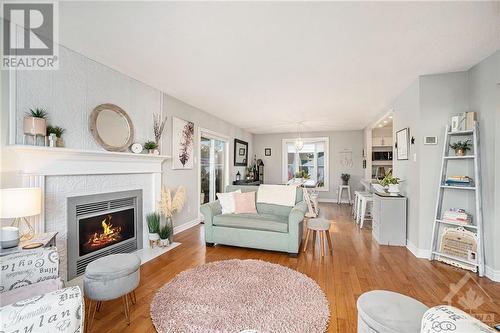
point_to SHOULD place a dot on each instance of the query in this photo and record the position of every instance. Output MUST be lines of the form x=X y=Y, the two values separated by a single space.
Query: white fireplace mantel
x=37 y=160
x=35 y=163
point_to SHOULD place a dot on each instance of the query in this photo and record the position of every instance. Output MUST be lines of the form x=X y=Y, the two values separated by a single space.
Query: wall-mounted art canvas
x=182 y=144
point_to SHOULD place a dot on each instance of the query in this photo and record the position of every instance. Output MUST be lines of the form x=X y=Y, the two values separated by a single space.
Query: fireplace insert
x=98 y=232
x=100 y=225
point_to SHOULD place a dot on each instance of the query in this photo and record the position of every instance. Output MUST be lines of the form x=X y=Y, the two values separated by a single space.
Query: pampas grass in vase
x=169 y=206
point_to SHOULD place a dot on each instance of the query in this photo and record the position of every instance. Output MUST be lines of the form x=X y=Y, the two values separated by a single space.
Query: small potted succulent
x=391 y=183
x=345 y=178
x=57 y=132
x=460 y=147
x=151 y=146
x=165 y=234
x=35 y=122
x=153 y=220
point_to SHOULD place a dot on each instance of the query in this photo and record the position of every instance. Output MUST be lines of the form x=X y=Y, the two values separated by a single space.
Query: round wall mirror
x=111 y=127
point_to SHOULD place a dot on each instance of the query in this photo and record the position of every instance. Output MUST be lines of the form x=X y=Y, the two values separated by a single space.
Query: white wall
x=71 y=93
x=339 y=140
x=406 y=114
x=441 y=96
x=426 y=107
x=189 y=178
x=484 y=97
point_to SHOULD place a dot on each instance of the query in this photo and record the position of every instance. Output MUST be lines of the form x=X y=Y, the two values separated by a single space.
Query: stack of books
x=457 y=215
x=459 y=181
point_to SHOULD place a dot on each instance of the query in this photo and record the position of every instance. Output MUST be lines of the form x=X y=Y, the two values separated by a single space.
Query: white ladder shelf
x=476 y=228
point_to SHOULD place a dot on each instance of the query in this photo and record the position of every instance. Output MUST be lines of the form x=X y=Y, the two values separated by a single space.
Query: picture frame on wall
x=267 y=151
x=182 y=144
x=403 y=143
x=240 y=152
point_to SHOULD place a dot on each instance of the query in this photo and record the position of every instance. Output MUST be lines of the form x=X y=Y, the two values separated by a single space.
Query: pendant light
x=299 y=143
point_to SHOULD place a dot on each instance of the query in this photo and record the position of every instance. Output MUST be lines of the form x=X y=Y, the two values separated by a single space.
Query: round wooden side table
x=323 y=227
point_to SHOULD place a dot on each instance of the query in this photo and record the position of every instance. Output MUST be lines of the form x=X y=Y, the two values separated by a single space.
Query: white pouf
x=112 y=276
x=381 y=311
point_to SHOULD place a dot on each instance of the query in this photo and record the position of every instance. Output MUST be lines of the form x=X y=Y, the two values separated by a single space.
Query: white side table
x=341 y=189
x=47 y=239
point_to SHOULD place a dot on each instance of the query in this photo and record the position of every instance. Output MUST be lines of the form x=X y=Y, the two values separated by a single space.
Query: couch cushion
x=266 y=222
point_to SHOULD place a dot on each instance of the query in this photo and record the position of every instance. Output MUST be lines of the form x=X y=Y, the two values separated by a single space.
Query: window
x=311 y=160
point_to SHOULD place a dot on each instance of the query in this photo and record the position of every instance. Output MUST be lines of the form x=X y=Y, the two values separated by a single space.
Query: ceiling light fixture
x=299 y=143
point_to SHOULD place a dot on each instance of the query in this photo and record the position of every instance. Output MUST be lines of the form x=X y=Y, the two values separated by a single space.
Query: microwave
x=382 y=156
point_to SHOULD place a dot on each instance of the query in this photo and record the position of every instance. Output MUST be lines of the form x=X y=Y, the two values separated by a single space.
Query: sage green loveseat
x=274 y=227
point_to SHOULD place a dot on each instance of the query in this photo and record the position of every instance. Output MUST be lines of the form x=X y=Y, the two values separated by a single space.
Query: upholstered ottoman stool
x=381 y=311
x=111 y=277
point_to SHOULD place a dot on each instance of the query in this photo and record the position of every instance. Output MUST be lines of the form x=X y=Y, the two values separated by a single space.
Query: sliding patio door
x=213 y=165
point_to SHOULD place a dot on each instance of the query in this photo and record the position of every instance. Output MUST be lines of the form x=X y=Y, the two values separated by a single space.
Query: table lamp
x=19 y=203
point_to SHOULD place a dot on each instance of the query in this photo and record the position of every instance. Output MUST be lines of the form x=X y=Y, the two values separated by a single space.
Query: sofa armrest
x=57 y=311
x=295 y=227
x=28 y=267
x=209 y=210
x=447 y=318
x=297 y=213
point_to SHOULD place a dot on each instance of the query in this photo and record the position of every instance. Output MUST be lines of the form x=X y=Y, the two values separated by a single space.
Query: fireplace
x=102 y=224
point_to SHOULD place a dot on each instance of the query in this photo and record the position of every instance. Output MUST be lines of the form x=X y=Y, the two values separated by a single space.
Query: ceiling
x=265 y=66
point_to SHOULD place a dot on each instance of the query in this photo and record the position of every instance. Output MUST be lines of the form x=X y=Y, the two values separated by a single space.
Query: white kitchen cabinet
x=389 y=220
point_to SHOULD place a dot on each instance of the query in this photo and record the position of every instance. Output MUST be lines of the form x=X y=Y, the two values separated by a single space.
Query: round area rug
x=238 y=295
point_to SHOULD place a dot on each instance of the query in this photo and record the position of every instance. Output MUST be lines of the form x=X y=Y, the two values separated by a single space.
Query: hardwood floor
x=358 y=264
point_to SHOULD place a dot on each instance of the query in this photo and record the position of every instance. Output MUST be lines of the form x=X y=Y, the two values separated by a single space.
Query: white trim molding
x=186 y=226
x=64 y=161
x=417 y=252
x=492 y=274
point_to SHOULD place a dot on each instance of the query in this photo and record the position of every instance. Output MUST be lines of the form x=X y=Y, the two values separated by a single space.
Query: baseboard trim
x=419 y=253
x=186 y=226
x=490 y=273
x=328 y=200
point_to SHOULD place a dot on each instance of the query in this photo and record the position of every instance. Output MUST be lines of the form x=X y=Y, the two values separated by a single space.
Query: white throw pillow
x=227 y=201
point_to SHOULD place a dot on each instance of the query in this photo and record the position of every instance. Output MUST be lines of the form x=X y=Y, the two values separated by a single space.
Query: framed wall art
x=182 y=144
x=403 y=143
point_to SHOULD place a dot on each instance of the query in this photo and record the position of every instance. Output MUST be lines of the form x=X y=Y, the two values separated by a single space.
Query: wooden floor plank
x=358 y=264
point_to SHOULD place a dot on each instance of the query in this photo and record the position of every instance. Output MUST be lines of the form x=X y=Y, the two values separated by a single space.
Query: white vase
x=393 y=189
x=164 y=242
x=153 y=239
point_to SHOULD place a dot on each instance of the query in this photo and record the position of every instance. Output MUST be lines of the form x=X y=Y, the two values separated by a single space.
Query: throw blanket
x=277 y=195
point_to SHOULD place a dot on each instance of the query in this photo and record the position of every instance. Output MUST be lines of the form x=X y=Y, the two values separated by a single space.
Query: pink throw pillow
x=244 y=203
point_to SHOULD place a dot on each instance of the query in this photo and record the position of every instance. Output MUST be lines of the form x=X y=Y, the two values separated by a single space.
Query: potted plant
x=151 y=146
x=153 y=220
x=35 y=122
x=58 y=132
x=302 y=174
x=169 y=206
x=165 y=234
x=460 y=147
x=391 y=183
x=345 y=178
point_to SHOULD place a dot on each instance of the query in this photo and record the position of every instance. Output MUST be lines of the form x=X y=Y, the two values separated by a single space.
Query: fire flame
x=108 y=234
